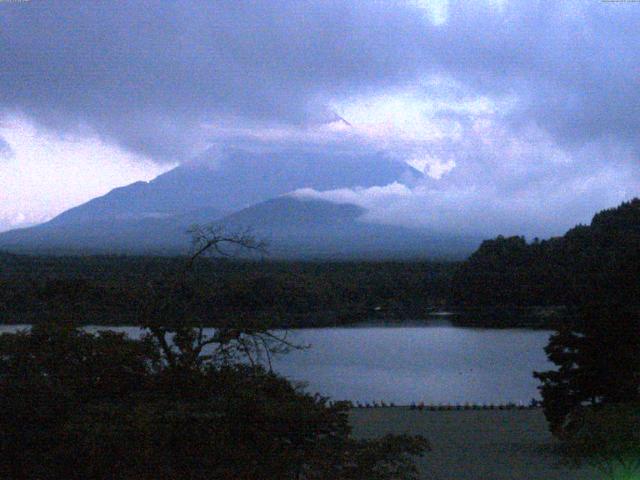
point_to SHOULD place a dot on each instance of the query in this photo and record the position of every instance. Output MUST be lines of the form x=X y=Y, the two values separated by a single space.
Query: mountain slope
x=234 y=181
x=292 y=227
x=307 y=228
x=167 y=235
x=153 y=217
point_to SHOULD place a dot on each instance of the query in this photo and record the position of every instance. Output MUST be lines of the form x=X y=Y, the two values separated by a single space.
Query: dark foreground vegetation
x=588 y=283
x=592 y=399
x=178 y=403
x=85 y=406
x=110 y=290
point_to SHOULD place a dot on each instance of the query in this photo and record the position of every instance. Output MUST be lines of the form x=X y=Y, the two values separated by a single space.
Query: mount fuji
x=240 y=189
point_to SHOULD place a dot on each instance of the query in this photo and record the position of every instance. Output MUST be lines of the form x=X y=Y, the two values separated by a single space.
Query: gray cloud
x=148 y=75
x=573 y=64
x=509 y=186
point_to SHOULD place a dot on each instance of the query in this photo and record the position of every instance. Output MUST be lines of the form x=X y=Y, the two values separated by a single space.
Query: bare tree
x=172 y=323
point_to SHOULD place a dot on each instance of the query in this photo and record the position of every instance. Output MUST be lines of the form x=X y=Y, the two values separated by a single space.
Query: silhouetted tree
x=596 y=353
x=596 y=350
x=180 y=402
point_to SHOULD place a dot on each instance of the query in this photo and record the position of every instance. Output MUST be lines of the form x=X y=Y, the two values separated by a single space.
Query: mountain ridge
x=243 y=190
x=237 y=180
x=292 y=227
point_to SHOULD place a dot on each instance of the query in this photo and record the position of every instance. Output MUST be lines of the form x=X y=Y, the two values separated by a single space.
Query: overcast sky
x=524 y=115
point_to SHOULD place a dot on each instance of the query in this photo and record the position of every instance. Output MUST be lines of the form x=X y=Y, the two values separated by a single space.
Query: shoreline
x=446 y=407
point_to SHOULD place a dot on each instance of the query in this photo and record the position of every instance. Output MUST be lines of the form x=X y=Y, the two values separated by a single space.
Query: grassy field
x=476 y=445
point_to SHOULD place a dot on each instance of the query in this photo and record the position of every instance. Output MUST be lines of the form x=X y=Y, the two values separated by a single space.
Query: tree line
x=591 y=398
x=109 y=290
x=597 y=260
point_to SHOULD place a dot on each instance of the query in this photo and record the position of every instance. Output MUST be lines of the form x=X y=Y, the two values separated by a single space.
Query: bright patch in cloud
x=47 y=174
x=436 y=10
x=434 y=167
x=500 y=181
x=430 y=112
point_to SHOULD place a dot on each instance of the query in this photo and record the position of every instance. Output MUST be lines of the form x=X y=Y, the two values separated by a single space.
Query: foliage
x=607 y=438
x=76 y=405
x=105 y=290
x=596 y=351
x=596 y=262
x=507 y=271
x=597 y=359
x=593 y=272
x=177 y=403
x=50 y=375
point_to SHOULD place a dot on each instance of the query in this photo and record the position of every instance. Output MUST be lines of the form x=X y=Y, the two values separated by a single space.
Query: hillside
x=239 y=189
x=293 y=228
x=321 y=229
x=233 y=181
x=600 y=261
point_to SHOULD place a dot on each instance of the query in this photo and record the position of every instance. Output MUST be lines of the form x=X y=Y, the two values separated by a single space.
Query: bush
x=75 y=405
x=176 y=404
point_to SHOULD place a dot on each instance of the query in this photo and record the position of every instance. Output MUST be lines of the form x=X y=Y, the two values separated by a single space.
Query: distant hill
x=234 y=181
x=321 y=229
x=292 y=227
x=600 y=261
x=238 y=188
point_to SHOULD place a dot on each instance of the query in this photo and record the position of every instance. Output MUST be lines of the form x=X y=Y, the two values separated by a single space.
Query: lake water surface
x=404 y=364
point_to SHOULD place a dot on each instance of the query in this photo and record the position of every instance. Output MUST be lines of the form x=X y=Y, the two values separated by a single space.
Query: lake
x=404 y=364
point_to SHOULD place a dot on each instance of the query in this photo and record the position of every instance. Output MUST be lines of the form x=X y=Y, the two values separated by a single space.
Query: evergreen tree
x=596 y=349
x=596 y=353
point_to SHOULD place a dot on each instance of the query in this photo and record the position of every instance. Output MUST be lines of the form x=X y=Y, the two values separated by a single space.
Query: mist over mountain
x=234 y=180
x=322 y=229
x=237 y=191
x=521 y=114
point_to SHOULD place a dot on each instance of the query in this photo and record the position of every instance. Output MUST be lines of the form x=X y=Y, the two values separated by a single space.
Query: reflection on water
x=404 y=364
